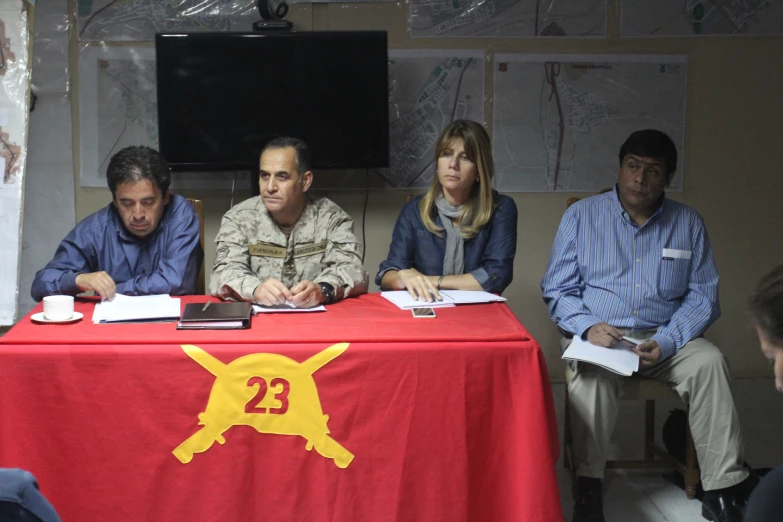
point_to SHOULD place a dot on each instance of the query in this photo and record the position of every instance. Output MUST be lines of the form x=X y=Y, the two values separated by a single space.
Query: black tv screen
x=222 y=96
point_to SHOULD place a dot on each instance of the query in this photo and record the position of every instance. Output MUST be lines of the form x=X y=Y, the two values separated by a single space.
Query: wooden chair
x=638 y=388
x=201 y=282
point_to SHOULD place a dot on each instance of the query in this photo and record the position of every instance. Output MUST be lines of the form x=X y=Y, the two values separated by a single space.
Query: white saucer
x=39 y=318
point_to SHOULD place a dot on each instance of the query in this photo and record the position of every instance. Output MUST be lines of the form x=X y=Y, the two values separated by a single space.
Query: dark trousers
x=766 y=501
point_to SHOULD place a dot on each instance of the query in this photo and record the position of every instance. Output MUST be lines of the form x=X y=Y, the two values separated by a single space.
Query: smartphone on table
x=423 y=312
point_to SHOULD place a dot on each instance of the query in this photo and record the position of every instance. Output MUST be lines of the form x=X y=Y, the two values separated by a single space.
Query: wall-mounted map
x=427 y=90
x=559 y=120
x=117 y=105
x=701 y=18
x=508 y=18
x=139 y=20
x=113 y=20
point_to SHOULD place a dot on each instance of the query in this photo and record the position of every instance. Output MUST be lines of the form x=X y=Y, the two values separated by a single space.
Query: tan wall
x=734 y=146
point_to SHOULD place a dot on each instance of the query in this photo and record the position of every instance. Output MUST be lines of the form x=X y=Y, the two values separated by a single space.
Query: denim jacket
x=489 y=256
x=20 y=499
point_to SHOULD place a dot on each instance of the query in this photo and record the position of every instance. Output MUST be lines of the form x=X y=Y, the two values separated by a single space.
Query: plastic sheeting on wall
x=14 y=84
x=49 y=204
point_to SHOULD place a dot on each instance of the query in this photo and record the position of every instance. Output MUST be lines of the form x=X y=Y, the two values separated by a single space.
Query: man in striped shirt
x=632 y=262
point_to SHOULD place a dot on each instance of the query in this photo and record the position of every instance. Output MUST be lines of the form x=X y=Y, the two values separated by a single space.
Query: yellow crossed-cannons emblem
x=271 y=393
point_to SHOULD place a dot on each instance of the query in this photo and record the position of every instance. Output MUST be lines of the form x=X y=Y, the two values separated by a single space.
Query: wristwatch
x=328 y=291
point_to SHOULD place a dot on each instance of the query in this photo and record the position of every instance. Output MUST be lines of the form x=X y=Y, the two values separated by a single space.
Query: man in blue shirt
x=632 y=262
x=145 y=242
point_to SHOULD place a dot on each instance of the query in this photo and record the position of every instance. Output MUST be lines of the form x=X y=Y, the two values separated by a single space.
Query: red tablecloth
x=446 y=419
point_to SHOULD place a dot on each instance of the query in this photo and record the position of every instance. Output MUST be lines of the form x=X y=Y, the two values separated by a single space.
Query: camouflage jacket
x=251 y=248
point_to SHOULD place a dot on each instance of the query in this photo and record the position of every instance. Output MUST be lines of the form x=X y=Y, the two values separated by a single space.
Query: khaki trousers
x=700 y=375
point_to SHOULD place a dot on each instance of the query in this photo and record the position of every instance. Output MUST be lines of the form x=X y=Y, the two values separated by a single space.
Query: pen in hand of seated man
x=649 y=353
x=605 y=335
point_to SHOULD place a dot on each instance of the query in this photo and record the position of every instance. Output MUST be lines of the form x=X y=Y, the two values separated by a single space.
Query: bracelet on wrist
x=440 y=280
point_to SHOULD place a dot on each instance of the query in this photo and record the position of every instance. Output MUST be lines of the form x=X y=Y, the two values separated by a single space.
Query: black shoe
x=588 y=502
x=720 y=506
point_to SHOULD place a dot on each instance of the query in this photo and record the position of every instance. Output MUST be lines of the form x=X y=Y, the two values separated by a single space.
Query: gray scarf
x=453 y=261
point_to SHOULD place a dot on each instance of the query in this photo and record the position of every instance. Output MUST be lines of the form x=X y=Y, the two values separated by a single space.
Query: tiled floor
x=645 y=496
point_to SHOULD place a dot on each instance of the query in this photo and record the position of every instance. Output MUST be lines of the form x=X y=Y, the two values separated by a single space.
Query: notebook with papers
x=216 y=316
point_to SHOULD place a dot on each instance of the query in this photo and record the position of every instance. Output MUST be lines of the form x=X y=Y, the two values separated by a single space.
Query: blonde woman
x=461 y=234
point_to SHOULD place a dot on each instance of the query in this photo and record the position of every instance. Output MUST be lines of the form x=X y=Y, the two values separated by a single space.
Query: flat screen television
x=222 y=96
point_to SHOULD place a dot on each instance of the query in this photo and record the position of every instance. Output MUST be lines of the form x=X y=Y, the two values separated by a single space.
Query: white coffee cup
x=58 y=307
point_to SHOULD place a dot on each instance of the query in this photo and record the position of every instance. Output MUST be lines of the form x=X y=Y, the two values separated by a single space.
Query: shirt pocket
x=310 y=267
x=673 y=278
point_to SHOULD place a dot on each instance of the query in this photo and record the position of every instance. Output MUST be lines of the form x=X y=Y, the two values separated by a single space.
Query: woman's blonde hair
x=477 y=210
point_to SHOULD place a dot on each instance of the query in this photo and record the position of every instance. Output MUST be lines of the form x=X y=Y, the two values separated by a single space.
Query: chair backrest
x=201 y=282
x=570 y=201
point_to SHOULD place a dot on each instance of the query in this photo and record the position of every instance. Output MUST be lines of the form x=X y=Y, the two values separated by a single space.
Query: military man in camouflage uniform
x=284 y=246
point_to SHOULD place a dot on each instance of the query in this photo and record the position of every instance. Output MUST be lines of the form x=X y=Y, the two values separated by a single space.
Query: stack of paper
x=619 y=358
x=403 y=299
x=147 y=308
x=288 y=306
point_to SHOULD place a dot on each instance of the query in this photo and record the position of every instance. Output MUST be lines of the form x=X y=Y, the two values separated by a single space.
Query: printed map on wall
x=698 y=18
x=117 y=106
x=114 y=20
x=139 y=20
x=559 y=120
x=507 y=18
x=427 y=90
x=14 y=80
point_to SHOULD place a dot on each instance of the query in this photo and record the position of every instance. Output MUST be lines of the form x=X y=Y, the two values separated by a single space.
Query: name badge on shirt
x=267 y=250
x=673 y=253
x=309 y=250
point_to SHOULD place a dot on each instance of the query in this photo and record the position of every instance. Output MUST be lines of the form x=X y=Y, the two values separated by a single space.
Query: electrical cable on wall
x=233 y=186
x=364 y=212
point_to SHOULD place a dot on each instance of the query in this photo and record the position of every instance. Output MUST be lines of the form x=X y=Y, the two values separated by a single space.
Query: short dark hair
x=651 y=143
x=302 y=151
x=766 y=305
x=137 y=163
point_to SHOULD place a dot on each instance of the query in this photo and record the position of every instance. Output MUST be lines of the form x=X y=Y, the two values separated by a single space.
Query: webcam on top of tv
x=272 y=14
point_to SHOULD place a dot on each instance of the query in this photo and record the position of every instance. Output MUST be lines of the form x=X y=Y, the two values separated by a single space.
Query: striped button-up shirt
x=659 y=276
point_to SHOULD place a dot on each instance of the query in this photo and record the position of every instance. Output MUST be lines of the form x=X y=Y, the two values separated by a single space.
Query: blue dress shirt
x=659 y=276
x=489 y=256
x=165 y=262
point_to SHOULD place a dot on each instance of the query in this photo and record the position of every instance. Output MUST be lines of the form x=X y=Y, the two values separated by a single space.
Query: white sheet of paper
x=471 y=296
x=287 y=307
x=403 y=299
x=619 y=358
x=137 y=308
